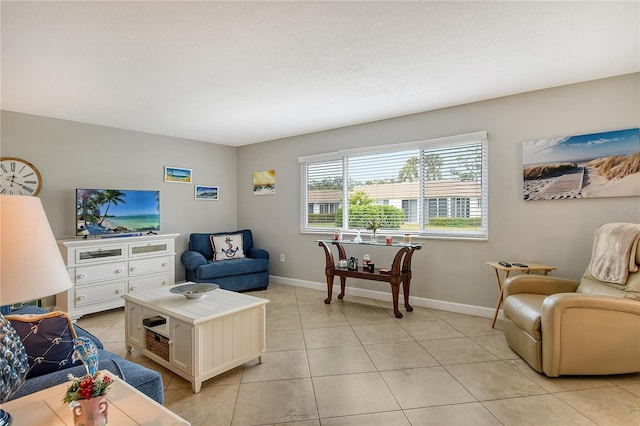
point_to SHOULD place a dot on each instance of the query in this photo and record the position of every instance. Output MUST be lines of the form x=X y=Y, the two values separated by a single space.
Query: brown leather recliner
x=587 y=327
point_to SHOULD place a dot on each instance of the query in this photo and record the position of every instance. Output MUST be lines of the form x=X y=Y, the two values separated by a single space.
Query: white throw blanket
x=614 y=249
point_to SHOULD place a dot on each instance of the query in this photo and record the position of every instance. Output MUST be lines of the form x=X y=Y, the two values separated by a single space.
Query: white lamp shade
x=31 y=266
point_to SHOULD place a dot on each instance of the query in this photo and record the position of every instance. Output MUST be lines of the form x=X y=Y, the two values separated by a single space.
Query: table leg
x=329 y=289
x=328 y=269
x=406 y=282
x=495 y=316
x=406 y=285
x=395 y=291
x=196 y=385
x=343 y=283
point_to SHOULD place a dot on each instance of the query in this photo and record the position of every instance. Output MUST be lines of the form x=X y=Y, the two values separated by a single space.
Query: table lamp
x=31 y=267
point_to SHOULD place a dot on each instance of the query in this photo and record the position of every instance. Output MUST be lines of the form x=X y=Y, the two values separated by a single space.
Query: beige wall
x=554 y=232
x=71 y=155
x=74 y=155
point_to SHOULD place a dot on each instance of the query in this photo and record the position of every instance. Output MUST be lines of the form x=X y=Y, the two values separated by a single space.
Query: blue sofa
x=248 y=273
x=147 y=381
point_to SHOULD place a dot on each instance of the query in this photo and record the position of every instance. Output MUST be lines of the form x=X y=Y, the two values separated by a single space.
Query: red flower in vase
x=87 y=387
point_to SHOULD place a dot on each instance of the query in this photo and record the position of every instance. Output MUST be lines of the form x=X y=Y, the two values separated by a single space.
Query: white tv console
x=103 y=270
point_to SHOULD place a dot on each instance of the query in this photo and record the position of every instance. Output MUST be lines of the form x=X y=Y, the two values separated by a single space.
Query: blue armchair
x=244 y=274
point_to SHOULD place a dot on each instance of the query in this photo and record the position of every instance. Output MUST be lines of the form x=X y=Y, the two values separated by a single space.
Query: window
x=461 y=207
x=410 y=208
x=438 y=207
x=434 y=188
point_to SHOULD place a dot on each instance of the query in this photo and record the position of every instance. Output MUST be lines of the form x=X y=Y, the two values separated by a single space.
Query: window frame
x=480 y=138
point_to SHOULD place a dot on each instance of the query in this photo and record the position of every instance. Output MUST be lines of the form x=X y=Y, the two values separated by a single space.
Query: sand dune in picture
x=613 y=176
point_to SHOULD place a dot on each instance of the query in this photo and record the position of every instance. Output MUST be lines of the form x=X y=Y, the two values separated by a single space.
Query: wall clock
x=19 y=177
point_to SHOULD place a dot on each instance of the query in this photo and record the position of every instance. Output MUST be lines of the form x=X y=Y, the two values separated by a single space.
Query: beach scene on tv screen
x=112 y=211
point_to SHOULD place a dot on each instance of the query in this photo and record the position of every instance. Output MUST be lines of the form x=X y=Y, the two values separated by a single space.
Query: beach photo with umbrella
x=584 y=166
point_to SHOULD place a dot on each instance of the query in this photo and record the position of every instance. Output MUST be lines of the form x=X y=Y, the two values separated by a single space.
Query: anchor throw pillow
x=47 y=340
x=227 y=246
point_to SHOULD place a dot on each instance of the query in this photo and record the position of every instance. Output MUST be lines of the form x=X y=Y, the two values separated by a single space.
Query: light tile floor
x=353 y=363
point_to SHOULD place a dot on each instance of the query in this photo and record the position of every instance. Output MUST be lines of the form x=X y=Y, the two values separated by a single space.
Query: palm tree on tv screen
x=109 y=197
x=87 y=205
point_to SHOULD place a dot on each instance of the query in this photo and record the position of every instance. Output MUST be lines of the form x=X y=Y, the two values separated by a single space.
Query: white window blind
x=435 y=188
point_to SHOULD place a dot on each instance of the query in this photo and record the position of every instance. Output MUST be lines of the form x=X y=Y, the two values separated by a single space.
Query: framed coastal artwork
x=205 y=192
x=177 y=174
x=264 y=183
x=583 y=166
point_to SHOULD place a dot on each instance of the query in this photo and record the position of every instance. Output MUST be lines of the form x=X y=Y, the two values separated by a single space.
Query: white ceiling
x=237 y=73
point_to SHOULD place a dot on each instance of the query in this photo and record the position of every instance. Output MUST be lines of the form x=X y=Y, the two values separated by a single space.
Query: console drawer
x=150 y=282
x=100 y=254
x=150 y=248
x=94 y=273
x=149 y=266
x=88 y=295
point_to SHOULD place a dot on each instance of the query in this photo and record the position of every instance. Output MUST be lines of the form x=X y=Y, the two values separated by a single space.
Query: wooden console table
x=400 y=271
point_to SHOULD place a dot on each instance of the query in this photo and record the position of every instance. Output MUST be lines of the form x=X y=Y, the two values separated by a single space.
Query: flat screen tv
x=116 y=211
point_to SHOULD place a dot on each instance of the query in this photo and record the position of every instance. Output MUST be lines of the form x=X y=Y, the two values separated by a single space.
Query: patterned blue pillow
x=47 y=339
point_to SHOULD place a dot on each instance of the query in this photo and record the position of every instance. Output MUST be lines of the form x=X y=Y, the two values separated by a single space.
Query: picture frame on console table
x=207 y=192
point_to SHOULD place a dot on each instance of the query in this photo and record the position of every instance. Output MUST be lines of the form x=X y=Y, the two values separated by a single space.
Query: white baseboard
x=461 y=308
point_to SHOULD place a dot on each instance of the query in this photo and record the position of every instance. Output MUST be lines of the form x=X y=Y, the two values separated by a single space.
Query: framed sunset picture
x=585 y=166
x=264 y=183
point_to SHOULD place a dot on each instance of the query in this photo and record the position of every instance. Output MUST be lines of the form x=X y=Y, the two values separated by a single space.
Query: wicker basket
x=158 y=344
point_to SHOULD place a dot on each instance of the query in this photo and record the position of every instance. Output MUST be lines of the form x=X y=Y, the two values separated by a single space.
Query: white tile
x=425 y=387
x=340 y=360
x=493 y=379
x=536 y=410
x=399 y=355
x=349 y=394
x=277 y=366
x=452 y=415
x=275 y=401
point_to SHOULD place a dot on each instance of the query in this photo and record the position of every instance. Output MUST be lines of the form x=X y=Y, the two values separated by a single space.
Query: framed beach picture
x=205 y=192
x=177 y=175
x=264 y=183
x=584 y=166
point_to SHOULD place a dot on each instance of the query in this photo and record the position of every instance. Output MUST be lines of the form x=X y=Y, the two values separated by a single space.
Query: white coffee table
x=127 y=406
x=201 y=338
